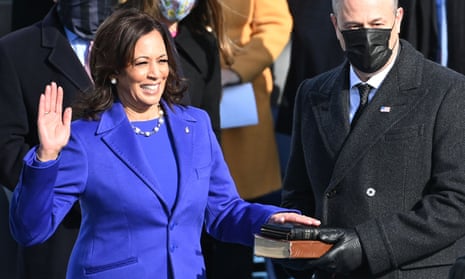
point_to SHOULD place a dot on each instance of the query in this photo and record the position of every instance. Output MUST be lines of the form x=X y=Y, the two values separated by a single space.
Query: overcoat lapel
x=62 y=55
x=396 y=97
x=331 y=111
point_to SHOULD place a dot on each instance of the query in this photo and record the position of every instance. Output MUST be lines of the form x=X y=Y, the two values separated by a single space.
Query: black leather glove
x=346 y=255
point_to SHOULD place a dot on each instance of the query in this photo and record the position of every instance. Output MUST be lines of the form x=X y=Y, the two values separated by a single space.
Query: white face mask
x=176 y=10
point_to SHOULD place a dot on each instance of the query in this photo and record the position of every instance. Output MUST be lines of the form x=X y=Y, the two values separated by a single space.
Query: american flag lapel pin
x=385 y=109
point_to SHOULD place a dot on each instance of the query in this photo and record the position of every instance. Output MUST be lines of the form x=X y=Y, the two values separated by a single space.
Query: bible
x=289 y=241
x=289 y=249
x=289 y=231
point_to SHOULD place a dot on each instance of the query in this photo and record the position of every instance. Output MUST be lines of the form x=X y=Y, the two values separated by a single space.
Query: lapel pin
x=385 y=109
x=187 y=130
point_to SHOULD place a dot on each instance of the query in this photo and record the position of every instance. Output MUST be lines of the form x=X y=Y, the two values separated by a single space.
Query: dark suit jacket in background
x=398 y=177
x=314 y=49
x=30 y=58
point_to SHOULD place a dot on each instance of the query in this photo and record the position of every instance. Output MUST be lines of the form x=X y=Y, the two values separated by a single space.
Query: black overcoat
x=398 y=178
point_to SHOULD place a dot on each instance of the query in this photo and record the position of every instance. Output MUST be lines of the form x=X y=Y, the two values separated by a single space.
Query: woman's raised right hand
x=54 y=125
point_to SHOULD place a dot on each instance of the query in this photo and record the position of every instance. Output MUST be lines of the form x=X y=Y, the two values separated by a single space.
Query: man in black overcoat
x=384 y=169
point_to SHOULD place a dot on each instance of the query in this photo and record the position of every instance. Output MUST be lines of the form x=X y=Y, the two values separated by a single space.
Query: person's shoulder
x=323 y=81
x=413 y=60
x=191 y=114
x=200 y=35
x=434 y=75
x=441 y=72
x=22 y=34
x=190 y=111
x=83 y=125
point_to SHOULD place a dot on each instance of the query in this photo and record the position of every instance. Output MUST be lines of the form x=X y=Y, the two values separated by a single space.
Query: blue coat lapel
x=118 y=136
x=182 y=128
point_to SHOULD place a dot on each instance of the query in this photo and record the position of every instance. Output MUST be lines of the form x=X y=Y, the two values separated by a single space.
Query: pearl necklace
x=155 y=129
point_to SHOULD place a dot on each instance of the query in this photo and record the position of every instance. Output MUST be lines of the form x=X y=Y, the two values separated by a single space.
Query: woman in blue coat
x=148 y=172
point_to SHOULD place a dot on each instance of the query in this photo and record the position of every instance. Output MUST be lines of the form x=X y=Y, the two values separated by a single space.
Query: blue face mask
x=176 y=10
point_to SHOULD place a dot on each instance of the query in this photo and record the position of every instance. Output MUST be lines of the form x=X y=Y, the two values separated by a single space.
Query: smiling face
x=142 y=82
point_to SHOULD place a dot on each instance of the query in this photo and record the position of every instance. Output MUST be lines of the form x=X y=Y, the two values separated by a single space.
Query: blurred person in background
x=314 y=49
x=54 y=48
x=260 y=29
x=437 y=29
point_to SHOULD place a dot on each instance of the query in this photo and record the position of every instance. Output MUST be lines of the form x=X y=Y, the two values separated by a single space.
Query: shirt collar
x=70 y=35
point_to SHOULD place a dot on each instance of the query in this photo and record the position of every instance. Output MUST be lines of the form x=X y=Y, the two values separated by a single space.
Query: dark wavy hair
x=113 y=51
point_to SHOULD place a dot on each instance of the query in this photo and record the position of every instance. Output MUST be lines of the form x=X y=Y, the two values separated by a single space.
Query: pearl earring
x=113 y=81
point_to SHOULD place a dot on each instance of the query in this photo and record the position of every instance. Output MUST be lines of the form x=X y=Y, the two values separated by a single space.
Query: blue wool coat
x=127 y=230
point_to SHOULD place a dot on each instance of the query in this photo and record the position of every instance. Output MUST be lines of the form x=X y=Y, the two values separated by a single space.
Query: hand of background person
x=291 y=217
x=345 y=256
x=53 y=125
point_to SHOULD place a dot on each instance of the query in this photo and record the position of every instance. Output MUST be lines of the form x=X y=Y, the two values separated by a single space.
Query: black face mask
x=367 y=48
x=83 y=17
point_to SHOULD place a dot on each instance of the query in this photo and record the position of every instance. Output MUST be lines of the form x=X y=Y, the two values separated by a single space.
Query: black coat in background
x=314 y=50
x=30 y=58
x=27 y=12
x=456 y=34
x=200 y=64
x=420 y=28
x=8 y=246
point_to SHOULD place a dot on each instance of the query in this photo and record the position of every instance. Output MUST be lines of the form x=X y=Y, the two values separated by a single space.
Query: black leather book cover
x=288 y=231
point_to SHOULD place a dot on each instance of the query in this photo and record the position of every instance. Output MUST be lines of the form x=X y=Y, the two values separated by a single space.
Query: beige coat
x=262 y=28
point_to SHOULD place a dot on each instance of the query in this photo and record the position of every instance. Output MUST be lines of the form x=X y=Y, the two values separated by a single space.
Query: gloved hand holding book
x=346 y=254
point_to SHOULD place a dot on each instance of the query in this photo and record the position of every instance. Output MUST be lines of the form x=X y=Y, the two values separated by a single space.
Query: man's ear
x=338 y=32
x=399 y=17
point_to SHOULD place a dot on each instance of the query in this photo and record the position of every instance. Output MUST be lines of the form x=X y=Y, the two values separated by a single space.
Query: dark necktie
x=364 y=91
